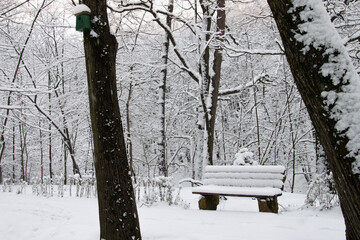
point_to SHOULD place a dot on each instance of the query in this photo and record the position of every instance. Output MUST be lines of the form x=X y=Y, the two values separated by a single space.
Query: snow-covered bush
x=181 y=202
x=77 y=180
x=165 y=186
x=244 y=157
x=47 y=188
x=60 y=185
x=22 y=188
x=87 y=184
x=322 y=192
x=158 y=189
x=7 y=185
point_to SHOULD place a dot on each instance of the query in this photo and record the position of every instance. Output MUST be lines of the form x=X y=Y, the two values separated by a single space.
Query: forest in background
x=45 y=127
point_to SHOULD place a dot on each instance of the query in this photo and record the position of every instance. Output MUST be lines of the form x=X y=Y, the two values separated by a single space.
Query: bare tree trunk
x=27 y=171
x=215 y=80
x=204 y=68
x=2 y=148
x=255 y=90
x=162 y=96
x=65 y=165
x=22 y=163
x=14 y=153
x=128 y=131
x=117 y=206
x=292 y=136
x=209 y=89
x=41 y=154
x=306 y=65
x=50 y=127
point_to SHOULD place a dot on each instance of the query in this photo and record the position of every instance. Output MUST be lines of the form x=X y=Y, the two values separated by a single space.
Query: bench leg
x=209 y=202
x=268 y=205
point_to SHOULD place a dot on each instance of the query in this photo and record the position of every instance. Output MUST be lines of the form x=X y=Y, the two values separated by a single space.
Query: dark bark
x=204 y=69
x=117 y=207
x=311 y=83
x=41 y=154
x=22 y=149
x=210 y=85
x=50 y=127
x=128 y=130
x=2 y=149
x=292 y=134
x=65 y=165
x=215 y=80
x=162 y=96
x=13 y=152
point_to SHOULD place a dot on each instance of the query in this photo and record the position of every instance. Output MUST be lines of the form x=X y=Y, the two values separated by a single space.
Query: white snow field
x=29 y=217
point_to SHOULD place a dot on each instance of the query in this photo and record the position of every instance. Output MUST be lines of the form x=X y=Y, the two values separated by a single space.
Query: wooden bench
x=262 y=182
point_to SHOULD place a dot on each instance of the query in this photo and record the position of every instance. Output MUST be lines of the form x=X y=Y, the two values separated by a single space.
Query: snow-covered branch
x=263 y=78
x=23 y=91
x=241 y=51
x=354 y=37
x=6 y=107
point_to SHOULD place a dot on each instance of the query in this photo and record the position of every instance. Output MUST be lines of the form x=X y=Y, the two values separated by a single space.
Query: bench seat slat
x=259 y=183
x=237 y=191
x=249 y=169
x=243 y=175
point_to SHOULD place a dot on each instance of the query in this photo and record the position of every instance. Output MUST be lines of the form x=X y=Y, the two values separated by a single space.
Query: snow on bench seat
x=247 y=169
x=237 y=191
x=259 y=183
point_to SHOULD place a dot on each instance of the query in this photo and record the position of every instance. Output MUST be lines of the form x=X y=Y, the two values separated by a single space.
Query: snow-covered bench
x=262 y=182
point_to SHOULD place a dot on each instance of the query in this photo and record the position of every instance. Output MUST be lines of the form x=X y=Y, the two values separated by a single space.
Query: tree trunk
x=204 y=68
x=41 y=154
x=22 y=163
x=292 y=134
x=128 y=131
x=162 y=96
x=117 y=206
x=209 y=89
x=50 y=128
x=2 y=148
x=65 y=165
x=215 y=80
x=307 y=66
x=13 y=152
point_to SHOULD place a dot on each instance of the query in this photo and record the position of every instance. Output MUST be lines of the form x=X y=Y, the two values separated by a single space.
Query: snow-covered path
x=38 y=218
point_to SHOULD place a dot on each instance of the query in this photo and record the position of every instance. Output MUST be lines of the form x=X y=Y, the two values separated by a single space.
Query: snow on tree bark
x=117 y=206
x=329 y=86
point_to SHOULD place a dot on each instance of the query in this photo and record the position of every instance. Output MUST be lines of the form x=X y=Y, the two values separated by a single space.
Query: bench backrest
x=245 y=176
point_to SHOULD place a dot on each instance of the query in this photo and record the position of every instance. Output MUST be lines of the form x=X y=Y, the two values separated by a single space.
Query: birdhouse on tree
x=82 y=13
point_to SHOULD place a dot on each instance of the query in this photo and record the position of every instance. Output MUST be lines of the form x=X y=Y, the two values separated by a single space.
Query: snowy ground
x=30 y=217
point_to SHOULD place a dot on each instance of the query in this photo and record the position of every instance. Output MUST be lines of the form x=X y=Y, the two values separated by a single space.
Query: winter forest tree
x=196 y=82
x=329 y=86
x=116 y=198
